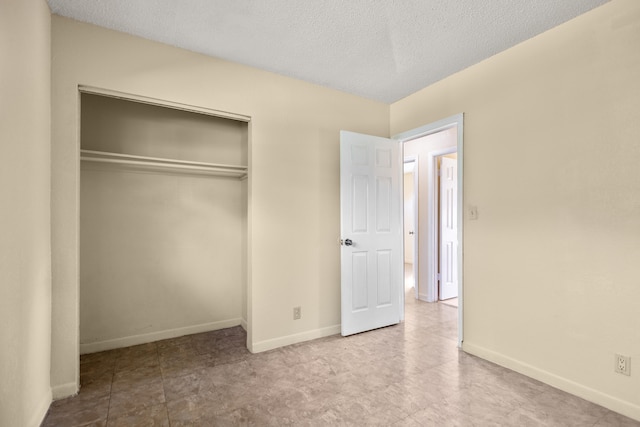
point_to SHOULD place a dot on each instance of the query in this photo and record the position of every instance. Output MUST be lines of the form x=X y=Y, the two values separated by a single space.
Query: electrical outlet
x=623 y=364
x=297 y=313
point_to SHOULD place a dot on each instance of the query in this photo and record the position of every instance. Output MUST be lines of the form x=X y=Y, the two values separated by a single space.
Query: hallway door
x=448 y=228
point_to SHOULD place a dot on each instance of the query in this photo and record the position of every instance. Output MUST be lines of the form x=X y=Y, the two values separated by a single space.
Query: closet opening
x=163 y=220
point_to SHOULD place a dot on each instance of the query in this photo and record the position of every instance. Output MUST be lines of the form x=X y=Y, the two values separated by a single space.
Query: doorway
x=160 y=218
x=371 y=228
x=425 y=148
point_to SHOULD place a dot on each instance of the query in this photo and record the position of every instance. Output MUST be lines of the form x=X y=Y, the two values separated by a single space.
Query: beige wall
x=160 y=249
x=293 y=186
x=25 y=266
x=551 y=159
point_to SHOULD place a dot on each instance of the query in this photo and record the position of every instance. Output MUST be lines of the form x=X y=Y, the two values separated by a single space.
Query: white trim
x=265 y=345
x=162 y=103
x=434 y=127
x=610 y=402
x=64 y=390
x=460 y=156
x=156 y=336
x=37 y=416
x=456 y=120
x=243 y=324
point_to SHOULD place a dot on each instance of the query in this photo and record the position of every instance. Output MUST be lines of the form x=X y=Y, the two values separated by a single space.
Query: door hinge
x=438 y=276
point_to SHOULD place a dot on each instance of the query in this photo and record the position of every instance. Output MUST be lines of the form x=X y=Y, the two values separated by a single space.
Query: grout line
x=113 y=377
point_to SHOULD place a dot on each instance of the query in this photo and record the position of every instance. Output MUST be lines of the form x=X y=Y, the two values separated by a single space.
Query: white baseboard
x=41 y=410
x=592 y=395
x=424 y=297
x=265 y=345
x=243 y=323
x=64 y=390
x=94 y=347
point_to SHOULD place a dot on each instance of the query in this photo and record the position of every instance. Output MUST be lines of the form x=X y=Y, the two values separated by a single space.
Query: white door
x=372 y=272
x=448 y=228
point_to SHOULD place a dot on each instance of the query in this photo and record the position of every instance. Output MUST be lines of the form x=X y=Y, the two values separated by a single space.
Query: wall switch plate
x=297 y=313
x=622 y=364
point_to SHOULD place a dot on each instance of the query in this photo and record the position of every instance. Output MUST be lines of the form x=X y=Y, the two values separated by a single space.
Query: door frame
x=416 y=182
x=246 y=265
x=456 y=121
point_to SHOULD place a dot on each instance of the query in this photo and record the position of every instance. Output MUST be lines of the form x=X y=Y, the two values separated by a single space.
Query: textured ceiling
x=378 y=49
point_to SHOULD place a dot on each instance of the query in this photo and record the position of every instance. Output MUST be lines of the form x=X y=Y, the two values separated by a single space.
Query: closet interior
x=163 y=222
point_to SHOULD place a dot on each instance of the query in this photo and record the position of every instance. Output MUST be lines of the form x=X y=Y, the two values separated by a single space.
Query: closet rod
x=91 y=154
x=130 y=159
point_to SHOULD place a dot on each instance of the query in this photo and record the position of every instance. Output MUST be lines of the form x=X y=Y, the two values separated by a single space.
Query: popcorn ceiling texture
x=379 y=49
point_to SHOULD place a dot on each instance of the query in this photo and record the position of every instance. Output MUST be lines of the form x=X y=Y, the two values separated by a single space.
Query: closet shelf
x=156 y=162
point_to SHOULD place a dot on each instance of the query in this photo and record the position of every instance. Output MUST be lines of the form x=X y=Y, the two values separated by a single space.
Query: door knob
x=348 y=242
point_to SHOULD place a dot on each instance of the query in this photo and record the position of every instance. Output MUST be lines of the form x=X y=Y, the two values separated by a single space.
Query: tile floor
x=452 y=302
x=409 y=282
x=411 y=374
